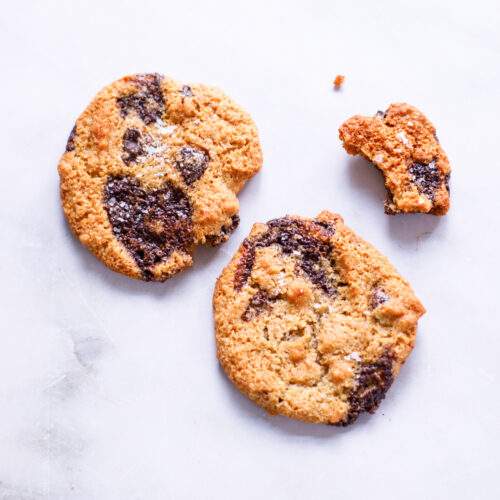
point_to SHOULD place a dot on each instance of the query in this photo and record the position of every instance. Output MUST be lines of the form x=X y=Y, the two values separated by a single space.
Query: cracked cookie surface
x=312 y=322
x=402 y=143
x=152 y=168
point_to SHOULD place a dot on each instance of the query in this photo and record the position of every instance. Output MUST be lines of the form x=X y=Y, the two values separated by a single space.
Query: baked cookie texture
x=312 y=322
x=152 y=169
x=402 y=143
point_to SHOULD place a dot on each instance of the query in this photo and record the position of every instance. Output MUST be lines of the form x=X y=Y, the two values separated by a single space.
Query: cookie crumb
x=339 y=81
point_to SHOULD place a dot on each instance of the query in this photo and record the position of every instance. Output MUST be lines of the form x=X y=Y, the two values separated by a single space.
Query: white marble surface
x=110 y=389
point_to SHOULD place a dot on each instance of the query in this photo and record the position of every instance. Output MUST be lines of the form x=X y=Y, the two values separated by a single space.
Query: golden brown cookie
x=312 y=322
x=403 y=145
x=152 y=169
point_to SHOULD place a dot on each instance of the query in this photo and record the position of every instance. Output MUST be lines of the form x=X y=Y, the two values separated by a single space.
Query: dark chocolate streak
x=389 y=200
x=70 y=146
x=309 y=238
x=447 y=182
x=146 y=101
x=150 y=224
x=186 y=91
x=373 y=381
x=224 y=233
x=191 y=163
x=426 y=178
x=259 y=302
x=132 y=145
x=378 y=297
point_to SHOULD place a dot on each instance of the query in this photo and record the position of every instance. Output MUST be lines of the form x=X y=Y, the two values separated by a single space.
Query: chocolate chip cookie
x=312 y=322
x=152 y=168
x=402 y=143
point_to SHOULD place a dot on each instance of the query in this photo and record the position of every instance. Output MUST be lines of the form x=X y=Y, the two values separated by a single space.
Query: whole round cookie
x=152 y=169
x=312 y=322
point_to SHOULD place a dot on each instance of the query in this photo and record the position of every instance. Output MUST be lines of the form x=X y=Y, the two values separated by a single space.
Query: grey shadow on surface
x=406 y=229
x=367 y=181
x=411 y=230
x=91 y=264
x=247 y=409
x=203 y=256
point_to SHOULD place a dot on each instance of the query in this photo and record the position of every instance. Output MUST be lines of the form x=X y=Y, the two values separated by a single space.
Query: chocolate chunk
x=191 y=162
x=186 y=91
x=389 y=203
x=330 y=228
x=132 y=145
x=426 y=178
x=150 y=224
x=389 y=198
x=447 y=182
x=294 y=334
x=378 y=297
x=245 y=264
x=312 y=267
x=381 y=114
x=259 y=302
x=216 y=240
x=146 y=101
x=305 y=239
x=373 y=381
x=70 y=146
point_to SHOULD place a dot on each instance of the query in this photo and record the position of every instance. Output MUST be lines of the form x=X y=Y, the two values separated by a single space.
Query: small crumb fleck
x=167 y=130
x=321 y=308
x=402 y=137
x=339 y=80
x=354 y=356
x=281 y=280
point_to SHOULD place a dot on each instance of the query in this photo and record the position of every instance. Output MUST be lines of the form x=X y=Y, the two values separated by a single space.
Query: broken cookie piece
x=402 y=143
x=311 y=322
